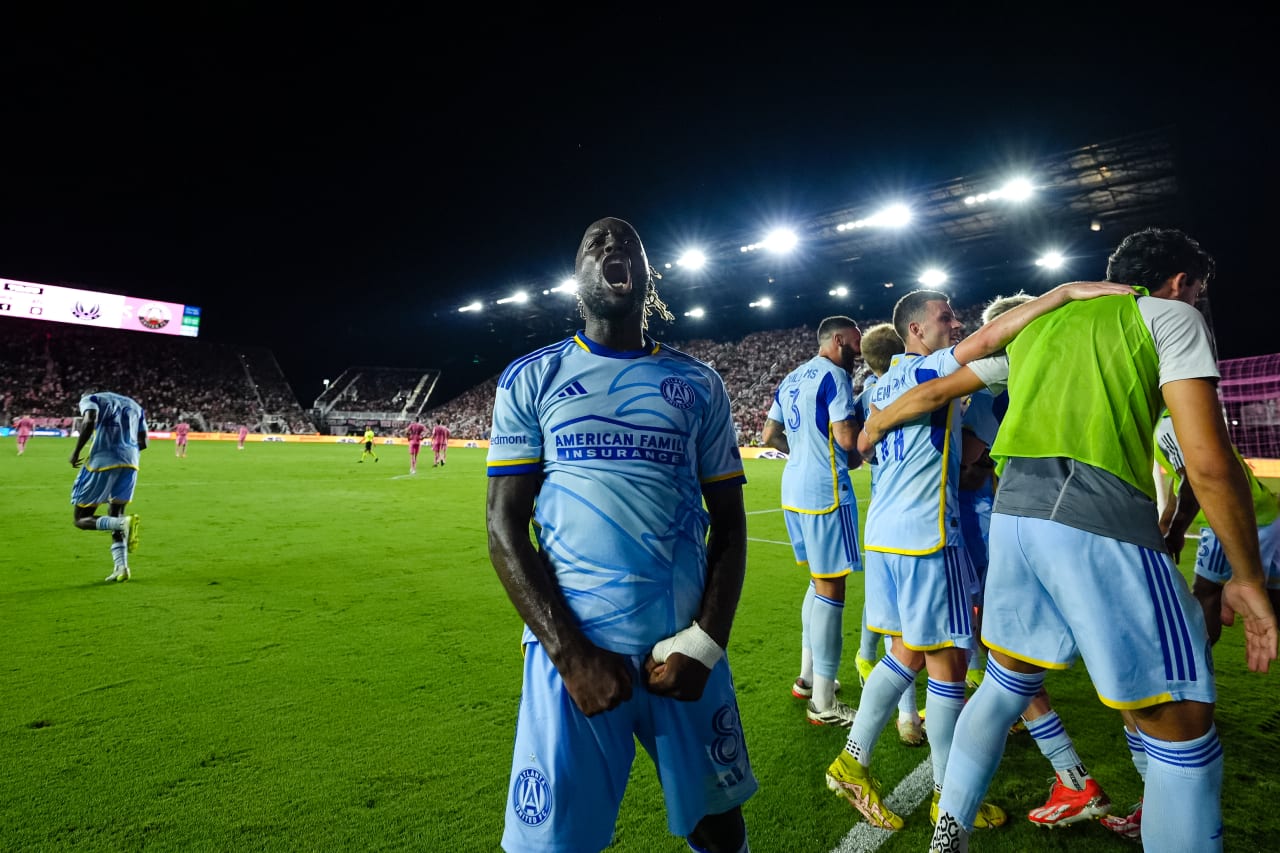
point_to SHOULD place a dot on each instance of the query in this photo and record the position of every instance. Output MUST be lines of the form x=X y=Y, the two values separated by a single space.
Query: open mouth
x=617 y=273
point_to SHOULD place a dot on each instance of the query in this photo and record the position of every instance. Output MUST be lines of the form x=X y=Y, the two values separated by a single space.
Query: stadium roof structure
x=1082 y=202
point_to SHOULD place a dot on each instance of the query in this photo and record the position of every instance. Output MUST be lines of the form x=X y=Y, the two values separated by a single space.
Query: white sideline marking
x=767 y=541
x=911 y=791
x=764 y=511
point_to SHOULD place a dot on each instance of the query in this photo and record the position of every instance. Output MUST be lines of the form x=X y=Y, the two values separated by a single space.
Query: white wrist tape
x=692 y=642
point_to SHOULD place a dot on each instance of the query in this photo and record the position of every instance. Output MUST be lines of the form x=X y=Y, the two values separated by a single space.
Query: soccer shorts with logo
x=1055 y=593
x=1211 y=561
x=569 y=771
x=110 y=485
x=827 y=542
x=923 y=598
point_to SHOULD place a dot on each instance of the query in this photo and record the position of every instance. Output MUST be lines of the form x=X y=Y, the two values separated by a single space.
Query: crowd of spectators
x=214 y=387
x=752 y=366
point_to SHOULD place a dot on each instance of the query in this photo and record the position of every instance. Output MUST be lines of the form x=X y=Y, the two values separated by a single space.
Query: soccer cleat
x=1018 y=728
x=911 y=730
x=864 y=669
x=1126 y=826
x=973 y=678
x=989 y=815
x=851 y=781
x=1066 y=806
x=132 y=525
x=120 y=574
x=839 y=714
x=802 y=689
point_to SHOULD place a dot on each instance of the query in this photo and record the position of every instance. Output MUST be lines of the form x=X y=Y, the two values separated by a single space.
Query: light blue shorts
x=827 y=543
x=1055 y=593
x=1211 y=561
x=569 y=771
x=111 y=485
x=923 y=599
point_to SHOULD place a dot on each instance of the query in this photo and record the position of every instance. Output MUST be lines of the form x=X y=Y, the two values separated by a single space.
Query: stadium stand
x=384 y=397
x=215 y=387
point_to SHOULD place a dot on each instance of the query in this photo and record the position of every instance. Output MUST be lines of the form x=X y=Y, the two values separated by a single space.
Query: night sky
x=334 y=188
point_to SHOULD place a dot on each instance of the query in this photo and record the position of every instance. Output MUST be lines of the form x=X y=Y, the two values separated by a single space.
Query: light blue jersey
x=811 y=398
x=117 y=421
x=915 y=510
x=862 y=411
x=625 y=443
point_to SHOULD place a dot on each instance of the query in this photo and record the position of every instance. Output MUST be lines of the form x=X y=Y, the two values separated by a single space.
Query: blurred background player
x=118 y=428
x=244 y=433
x=811 y=420
x=414 y=432
x=180 y=439
x=25 y=426
x=369 y=436
x=439 y=443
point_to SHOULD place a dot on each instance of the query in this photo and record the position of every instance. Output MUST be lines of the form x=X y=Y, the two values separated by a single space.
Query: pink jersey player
x=244 y=433
x=439 y=443
x=414 y=433
x=25 y=427
x=180 y=438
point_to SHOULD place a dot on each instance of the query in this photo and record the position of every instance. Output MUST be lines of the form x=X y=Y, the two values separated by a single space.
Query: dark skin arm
x=682 y=677
x=87 y=424
x=597 y=679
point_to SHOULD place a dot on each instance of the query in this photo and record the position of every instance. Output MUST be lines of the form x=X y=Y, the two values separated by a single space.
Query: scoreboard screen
x=93 y=308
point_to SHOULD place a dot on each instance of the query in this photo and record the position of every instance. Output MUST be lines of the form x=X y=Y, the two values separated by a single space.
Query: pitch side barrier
x=1266 y=468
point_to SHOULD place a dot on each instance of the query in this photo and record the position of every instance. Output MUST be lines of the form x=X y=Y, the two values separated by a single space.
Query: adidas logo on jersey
x=572 y=390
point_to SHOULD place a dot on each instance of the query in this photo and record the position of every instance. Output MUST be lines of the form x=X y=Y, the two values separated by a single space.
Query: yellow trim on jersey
x=1158 y=699
x=498 y=463
x=835 y=481
x=942 y=503
x=845 y=572
x=949 y=644
x=873 y=629
x=1040 y=663
x=110 y=467
x=739 y=473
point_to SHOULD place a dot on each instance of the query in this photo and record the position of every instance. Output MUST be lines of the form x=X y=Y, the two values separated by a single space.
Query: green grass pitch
x=316 y=655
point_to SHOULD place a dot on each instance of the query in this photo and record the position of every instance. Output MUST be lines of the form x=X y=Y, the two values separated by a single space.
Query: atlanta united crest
x=677 y=392
x=531 y=797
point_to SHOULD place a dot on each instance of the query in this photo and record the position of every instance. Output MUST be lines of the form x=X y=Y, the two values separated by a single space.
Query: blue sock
x=1181 y=804
x=980 y=734
x=1055 y=744
x=885 y=684
x=826 y=632
x=944 y=701
x=1137 y=752
x=806 y=640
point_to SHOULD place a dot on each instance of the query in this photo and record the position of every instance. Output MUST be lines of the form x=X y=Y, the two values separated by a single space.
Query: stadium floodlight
x=896 y=215
x=1015 y=189
x=569 y=285
x=518 y=296
x=1051 y=260
x=933 y=277
x=762 y=302
x=693 y=259
x=474 y=306
x=779 y=240
x=840 y=291
x=695 y=313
